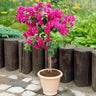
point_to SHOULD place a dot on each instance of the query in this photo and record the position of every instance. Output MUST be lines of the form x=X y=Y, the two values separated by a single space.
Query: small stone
x=3 y=75
x=15 y=90
x=63 y=89
x=77 y=93
x=4 y=87
x=6 y=94
x=60 y=89
x=40 y=95
x=65 y=94
x=27 y=79
x=40 y=91
x=28 y=93
x=17 y=84
x=35 y=82
x=13 y=77
x=33 y=87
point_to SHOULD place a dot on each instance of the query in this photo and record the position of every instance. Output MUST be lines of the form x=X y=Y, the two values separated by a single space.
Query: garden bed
x=81 y=57
x=77 y=63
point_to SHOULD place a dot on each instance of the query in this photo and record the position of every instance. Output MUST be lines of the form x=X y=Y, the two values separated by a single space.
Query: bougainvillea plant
x=44 y=23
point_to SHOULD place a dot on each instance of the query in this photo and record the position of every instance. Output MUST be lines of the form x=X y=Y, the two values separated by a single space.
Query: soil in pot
x=51 y=73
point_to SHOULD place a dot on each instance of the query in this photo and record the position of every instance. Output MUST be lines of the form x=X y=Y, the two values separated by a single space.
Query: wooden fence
x=78 y=64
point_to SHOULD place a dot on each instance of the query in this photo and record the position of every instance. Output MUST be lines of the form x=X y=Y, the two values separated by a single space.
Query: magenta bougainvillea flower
x=48 y=39
x=29 y=41
x=43 y=21
x=40 y=42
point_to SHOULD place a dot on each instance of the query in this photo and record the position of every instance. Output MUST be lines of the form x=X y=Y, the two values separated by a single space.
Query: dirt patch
x=51 y=73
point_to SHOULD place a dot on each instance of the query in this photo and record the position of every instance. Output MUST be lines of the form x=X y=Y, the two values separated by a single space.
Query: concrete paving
x=14 y=83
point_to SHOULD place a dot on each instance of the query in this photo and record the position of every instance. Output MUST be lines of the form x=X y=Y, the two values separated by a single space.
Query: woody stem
x=50 y=65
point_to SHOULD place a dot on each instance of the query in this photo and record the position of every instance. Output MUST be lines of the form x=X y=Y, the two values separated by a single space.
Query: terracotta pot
x=50 y=84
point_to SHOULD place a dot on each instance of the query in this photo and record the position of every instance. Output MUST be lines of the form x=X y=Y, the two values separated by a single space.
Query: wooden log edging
x=66 y=63
x=82 y=66
x=11 y=54
x=70 y=60
x=38 y=60
x=1 y=52
x=20 y=52
x=54 y=60
x=25 y=58
x=94 y=70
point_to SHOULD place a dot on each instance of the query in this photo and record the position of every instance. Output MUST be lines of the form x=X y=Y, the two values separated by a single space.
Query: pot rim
x=55 y=77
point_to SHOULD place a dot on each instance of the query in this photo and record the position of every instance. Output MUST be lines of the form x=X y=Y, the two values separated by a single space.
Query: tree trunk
x=54 y=60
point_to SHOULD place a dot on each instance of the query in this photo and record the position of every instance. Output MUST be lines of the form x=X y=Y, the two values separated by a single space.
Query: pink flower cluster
x=50 y=19
x=40 y=42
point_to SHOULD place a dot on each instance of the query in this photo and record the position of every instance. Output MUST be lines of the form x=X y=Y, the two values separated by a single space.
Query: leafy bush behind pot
x=84 y=32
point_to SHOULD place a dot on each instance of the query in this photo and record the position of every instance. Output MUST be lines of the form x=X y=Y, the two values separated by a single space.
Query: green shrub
x=7 y=32
x=19 y=26
x=84 y=32
x=7 y=20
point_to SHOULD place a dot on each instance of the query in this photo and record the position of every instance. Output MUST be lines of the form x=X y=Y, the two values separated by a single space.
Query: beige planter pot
x=50 y=84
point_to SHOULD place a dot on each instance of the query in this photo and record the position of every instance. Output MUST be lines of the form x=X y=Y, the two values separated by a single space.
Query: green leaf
x=43 y=26
x=13 y=21
x=51 y=52
x=42 y=18
x=41 y=48
x=64 y=44
x=29 y=17
x=30 y=21
x=43 y=14
x=37 y=24
x=28 y=13
x=54 y=29
x=53 y=46
x=60 y=45
x=27 y=47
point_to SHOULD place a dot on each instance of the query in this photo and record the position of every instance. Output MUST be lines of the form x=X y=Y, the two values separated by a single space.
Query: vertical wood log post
x=11 y=54
x=66 y=63
x=25 y=58
x=20 y=48
x=82 y=66
x=38 y=60
x=94 y=70
x=54 y=60
x=1 y=52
